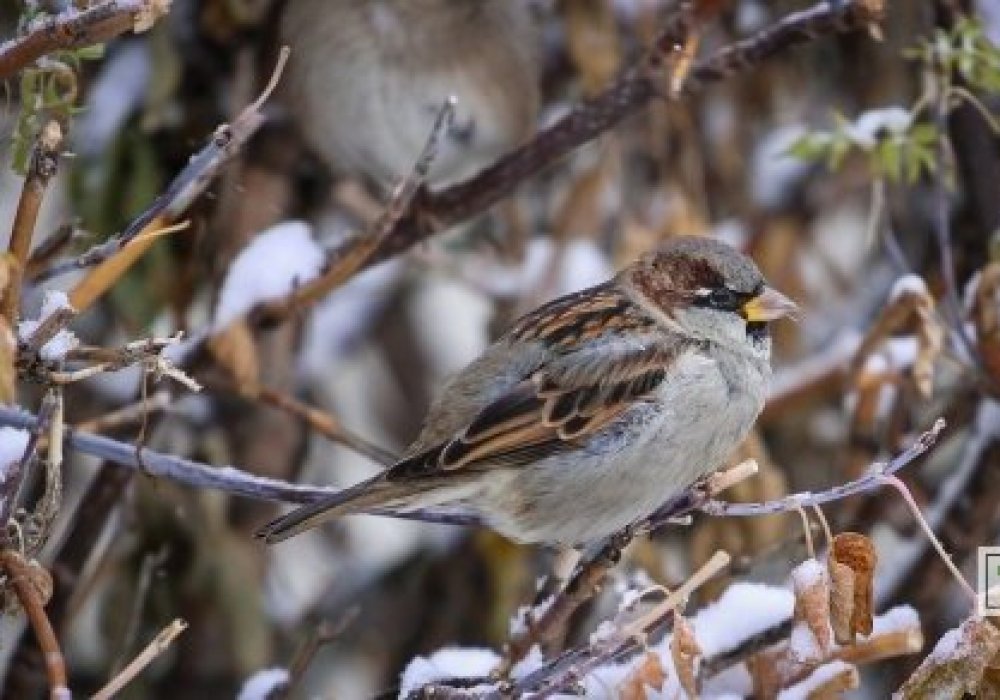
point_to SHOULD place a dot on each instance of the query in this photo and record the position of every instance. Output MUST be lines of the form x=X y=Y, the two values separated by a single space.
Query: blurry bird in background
x=366 y=79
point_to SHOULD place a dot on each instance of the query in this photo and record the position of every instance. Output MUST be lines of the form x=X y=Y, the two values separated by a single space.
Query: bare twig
x=41 y=168
x=73 y=29
x=126 y=415
x=323 y=634
x=156 y=647
x=21 y=577
x=325 y=424
x=151 y=561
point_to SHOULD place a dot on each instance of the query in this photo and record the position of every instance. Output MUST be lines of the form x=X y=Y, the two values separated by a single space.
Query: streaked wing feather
x=593 y=375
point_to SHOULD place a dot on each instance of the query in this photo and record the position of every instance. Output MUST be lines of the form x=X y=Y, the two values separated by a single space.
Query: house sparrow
x=366 y=79
x=594 y=409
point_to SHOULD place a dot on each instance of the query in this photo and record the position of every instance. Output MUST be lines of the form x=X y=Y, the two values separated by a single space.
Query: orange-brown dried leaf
x=910 y=310
x=684 y=651
x=234 y=349
x=647 y=673
x=851 y=565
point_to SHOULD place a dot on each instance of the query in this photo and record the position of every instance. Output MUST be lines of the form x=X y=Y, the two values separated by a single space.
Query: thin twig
x=323 y=423
x=41 y=168
x=145 y=657
x=151 y=561
x=20 y=576
x=866 y=482
x=126 y=415
x=323 y=634
x=74 y=29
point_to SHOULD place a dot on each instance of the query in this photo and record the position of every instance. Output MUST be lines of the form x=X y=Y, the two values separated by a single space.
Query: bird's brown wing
x=593 y=373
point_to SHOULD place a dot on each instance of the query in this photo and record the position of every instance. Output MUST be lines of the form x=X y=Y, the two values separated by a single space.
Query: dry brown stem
x=21 y=577
x=156 y=647
x=42 y=167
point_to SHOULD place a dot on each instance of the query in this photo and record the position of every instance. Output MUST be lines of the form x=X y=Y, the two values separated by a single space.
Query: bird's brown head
x=708 y=287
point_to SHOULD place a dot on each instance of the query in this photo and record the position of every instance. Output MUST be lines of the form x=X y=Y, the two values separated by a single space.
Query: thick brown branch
x=70 y=30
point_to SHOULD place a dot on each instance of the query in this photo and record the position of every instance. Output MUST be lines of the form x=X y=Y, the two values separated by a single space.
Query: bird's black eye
x=719 y=298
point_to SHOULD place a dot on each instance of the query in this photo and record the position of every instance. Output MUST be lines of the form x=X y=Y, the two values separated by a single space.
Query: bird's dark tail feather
x=371 y=493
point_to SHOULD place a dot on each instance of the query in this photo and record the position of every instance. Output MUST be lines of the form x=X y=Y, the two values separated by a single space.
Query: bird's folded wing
x=558 y=407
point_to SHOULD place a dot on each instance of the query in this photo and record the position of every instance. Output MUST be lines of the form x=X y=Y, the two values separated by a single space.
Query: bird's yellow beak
x=769 y=305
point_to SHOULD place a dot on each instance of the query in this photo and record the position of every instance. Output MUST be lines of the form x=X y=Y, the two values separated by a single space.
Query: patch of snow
x=802 y=644
x=908 y=284
x=447 y=663
x=804 y=689
x=62 y=342
x=261 y=685
x=808 y=574
x=946 y=646
x=751 y=16
x=872 y=125
x=272 y=265
x=989 y=13
x=13 y=442
x=582 y=264
x=897 y=619
x=744 y=610
x=531 y=662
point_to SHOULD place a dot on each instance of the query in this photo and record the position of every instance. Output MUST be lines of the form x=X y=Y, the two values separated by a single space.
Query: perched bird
x=594 y=409
x=366 y=79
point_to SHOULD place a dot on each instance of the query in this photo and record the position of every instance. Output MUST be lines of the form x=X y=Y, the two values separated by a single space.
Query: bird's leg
x=563 y=564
